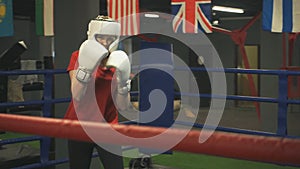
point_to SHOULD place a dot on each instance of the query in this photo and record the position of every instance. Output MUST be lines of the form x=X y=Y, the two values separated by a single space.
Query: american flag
x=281 y=15
x=125 y=12
x=191 y=15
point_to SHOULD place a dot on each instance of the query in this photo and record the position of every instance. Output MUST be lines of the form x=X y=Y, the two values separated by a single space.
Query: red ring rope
x=232 y=145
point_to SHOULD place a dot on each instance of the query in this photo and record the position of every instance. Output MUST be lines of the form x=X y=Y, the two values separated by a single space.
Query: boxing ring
x=277 y=148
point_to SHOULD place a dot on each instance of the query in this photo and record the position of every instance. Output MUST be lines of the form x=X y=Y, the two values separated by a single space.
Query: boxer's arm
x=121 y=62
x=78 y=88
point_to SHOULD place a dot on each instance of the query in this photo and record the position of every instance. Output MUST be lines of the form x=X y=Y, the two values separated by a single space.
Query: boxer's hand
x=91 y=54
x=120 y=61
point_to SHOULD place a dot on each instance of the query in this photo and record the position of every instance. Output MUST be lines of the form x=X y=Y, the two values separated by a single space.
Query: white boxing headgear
x=103 y=25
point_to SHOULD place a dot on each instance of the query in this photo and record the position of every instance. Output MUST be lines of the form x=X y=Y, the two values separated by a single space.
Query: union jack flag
x=191 y=15
x=125 y=12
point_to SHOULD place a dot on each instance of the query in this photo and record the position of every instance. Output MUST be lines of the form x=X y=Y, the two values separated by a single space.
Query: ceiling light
x=215 y=22
x=151 y=15
x=227 y=9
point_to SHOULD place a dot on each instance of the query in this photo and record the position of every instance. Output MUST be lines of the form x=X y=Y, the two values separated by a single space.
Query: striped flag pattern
x=125 y=12
x=191 y=15
x=44 y=17
x=281 y=15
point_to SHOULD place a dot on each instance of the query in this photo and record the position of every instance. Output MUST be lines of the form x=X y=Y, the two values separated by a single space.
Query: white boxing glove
x=120 y=61
x=90 y=55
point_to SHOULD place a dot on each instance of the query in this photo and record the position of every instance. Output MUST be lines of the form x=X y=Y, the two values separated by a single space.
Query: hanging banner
x=126 y=12
x=281 y=15
x=44 y=14
x=6 y=18
x=191 y=16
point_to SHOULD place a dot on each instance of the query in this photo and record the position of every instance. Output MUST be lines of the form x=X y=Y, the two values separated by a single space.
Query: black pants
x=80 y=155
